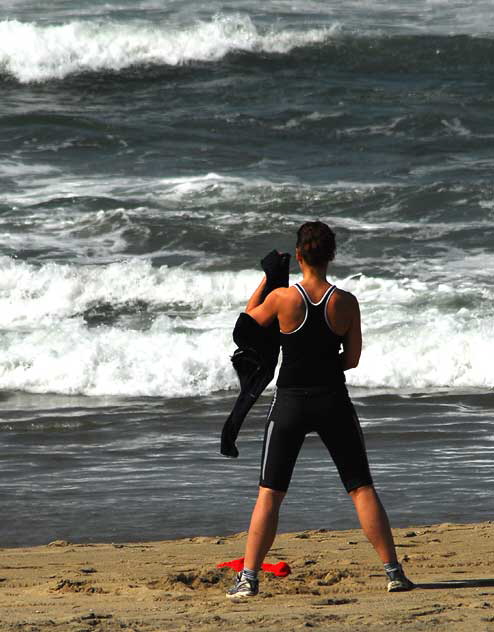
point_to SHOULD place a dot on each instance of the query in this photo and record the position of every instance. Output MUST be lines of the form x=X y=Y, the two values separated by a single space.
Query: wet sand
x=336 y=584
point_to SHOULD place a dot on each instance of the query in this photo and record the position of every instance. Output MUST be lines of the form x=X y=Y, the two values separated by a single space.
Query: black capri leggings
x=295 y=412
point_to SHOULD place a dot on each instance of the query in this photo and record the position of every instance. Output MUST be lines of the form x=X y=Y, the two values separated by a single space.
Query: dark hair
x=316 y=242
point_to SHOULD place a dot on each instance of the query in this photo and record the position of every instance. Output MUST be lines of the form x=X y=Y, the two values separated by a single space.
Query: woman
x=316 y=320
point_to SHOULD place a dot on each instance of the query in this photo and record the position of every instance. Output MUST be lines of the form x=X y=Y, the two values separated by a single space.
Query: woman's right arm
x=352 y=340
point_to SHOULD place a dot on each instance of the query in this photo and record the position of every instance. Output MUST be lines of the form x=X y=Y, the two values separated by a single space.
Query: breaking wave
x=129 y=328
x=30 y=52
x=34 y=53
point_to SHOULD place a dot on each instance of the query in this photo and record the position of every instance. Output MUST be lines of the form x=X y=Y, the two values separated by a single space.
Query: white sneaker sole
x=399 y=586
x=241 y=595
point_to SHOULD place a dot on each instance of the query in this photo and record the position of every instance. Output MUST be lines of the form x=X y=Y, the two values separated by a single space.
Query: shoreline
x=150 y=451
x=337 y=583
x=234 y=535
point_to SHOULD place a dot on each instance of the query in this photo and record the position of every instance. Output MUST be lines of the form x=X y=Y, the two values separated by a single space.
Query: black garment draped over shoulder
x=256 y=358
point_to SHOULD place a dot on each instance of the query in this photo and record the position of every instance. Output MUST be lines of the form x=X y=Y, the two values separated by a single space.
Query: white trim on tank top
x=333 y=288
x=303 y=293
x=306 y=294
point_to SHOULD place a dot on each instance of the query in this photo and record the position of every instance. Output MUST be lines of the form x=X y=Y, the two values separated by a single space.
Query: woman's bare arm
x=264 y=313
x=352 y=340
x=255 y=299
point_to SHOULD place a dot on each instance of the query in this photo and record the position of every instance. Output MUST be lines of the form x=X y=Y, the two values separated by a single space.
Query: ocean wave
x=72 y=359
x=210 y=187
x=132 y=329
x=210 y=220
x=30 y=52
x=33 y=53
x=430 y=336
x=33 y=296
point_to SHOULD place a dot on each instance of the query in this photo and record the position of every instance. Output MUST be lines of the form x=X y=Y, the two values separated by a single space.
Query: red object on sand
x=281 y=569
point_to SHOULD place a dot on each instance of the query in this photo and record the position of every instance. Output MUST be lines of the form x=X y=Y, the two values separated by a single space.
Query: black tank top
x=311 y=352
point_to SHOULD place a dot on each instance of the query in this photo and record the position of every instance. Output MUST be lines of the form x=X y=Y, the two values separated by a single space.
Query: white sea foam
x=210 y=186
x=9 y=168
x=297 y=121
x=32 y=296
x=31 y=52
x=416 y=334
x=71 y=359
x=421 y=335
x=36 y=189
x=385 y=129
x=48 y=347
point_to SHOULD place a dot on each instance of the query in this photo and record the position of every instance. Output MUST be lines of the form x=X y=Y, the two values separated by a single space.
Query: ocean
x=151 y=153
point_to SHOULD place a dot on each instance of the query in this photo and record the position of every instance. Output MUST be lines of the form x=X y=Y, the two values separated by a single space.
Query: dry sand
x=336 y=584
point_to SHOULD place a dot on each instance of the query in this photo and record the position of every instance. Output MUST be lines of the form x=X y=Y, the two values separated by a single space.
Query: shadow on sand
x=457 y=583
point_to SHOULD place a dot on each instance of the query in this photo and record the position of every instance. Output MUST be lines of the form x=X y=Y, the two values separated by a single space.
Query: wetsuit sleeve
x=277 y=268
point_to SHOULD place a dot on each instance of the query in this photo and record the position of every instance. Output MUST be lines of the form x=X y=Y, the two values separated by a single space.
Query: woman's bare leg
x=374 y=522
x=263 y=526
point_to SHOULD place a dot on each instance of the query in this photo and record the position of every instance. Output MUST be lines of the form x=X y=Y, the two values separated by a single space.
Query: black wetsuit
x=311 y=396
x=256 y=358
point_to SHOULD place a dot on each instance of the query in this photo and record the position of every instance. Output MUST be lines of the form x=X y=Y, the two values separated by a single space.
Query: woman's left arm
x=265 y=312
x=255 y=299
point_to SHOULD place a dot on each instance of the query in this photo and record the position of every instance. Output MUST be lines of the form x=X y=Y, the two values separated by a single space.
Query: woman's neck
x=314 y=276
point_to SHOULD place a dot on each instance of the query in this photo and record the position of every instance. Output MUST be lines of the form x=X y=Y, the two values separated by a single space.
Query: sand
x=336 y=584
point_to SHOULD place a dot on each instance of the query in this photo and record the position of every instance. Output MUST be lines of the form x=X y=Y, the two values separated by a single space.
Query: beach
x=336 y=583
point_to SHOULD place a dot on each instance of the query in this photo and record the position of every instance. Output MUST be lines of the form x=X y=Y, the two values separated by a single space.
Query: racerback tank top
x=311 y=352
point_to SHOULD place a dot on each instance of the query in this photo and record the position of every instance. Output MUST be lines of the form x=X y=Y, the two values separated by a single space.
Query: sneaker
x=398 y=581
x=243 y=587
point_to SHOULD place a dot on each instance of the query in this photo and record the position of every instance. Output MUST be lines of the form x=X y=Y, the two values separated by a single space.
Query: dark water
x=148 y=469
x=150 y=155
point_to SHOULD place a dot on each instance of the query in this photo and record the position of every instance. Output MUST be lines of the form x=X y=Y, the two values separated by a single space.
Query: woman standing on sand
x=316 y=319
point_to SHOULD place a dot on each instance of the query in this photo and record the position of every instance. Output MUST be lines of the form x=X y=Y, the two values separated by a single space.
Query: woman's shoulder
x=343 y=296
x=286 y=292
x=287 y=297
x=344 y=301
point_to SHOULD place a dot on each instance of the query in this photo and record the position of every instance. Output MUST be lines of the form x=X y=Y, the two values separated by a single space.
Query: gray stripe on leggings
x=273 y=402
x=268 y=438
